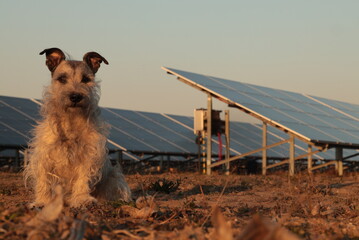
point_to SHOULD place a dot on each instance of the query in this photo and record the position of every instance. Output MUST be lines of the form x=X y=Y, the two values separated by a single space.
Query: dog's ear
x=94 y=60
x=53 y=57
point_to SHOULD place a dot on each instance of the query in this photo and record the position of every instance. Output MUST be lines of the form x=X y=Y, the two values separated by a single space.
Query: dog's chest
x=72 y=144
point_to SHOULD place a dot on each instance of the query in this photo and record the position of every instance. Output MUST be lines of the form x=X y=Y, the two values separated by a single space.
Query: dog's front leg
x=43 y=192
x=81 y=189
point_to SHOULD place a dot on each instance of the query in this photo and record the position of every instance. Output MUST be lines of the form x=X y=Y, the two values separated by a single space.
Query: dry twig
x=216 y=204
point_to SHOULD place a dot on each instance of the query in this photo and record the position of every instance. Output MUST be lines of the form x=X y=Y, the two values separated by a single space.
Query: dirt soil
x=194 y=206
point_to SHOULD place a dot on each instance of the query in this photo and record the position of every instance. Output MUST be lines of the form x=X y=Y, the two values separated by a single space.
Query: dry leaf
x=146 y=206
x=146 y=201
x=259 y=229
x=223 y=230
x=315 y=210
x=51 y=211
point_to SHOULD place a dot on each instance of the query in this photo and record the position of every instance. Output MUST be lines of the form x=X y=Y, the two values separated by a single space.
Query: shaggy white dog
x=69 y=143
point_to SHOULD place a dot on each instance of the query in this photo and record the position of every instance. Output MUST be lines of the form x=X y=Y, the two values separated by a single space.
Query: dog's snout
x=76 y=97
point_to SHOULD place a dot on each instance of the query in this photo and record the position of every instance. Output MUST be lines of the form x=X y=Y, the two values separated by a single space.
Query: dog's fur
x=68 y=147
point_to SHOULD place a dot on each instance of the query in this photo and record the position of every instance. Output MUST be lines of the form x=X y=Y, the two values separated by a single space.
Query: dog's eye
x=85 y=80
x=62 y=79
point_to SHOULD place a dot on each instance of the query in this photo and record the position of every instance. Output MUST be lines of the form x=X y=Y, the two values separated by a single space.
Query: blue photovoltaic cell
x=351 y=110
x=9 y=137
x=150 y=130
x=24 y=106
x=187 y=121
x=295 y=112
x=14 y=127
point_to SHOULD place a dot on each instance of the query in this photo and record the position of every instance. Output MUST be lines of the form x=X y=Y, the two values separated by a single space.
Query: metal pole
x=120 y=157
x=17 y=158
x=204 y=158
x=199 y=142
x=168 y=163
x=310 y=159
x=26 y=157
x=161 y=163
x=227 y=135
x=291 y=156
x=209 y=134
x=339 y=159
x=264 y=152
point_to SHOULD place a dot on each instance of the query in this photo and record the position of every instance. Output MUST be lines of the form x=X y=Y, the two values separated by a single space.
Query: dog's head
x=73 y=82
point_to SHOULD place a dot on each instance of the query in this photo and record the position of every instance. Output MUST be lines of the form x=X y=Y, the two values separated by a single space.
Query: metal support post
x=168 y=163
x=310 y=159
x=161 y=163
x=119 y=157
x=17 y=158
x=26 y=157
x=264 y=152
x=227 y=134
x=324 y=165
x=339 y=159
x=209 y=134
x=291 y=156
x=204 y=158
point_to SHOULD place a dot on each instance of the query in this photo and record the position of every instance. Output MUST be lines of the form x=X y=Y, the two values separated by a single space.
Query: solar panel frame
x=324 y=127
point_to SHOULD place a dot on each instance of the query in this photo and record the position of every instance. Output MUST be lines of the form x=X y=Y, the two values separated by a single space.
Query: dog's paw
x=35 y=205
x=82 y=200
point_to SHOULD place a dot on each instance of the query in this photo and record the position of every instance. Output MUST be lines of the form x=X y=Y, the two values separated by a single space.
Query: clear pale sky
x=302 y=46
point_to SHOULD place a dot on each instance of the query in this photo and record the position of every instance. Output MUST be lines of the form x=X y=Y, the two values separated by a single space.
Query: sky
x=302 y=46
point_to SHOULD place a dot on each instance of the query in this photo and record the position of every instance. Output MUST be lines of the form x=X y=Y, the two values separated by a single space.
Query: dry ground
x=319 y=207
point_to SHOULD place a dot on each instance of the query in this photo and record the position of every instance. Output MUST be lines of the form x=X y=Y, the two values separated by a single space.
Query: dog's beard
x=72 y=105
x=77 y=109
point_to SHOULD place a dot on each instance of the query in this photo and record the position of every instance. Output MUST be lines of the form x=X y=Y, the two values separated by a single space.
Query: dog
x=68 y=147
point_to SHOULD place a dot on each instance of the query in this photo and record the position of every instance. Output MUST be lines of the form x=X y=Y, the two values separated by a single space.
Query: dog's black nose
x=75 y=97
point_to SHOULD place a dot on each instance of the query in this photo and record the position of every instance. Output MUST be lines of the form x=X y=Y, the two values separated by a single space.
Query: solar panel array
x=312 y=119
x=17 y=118
x=144 y=132
x=148 y=132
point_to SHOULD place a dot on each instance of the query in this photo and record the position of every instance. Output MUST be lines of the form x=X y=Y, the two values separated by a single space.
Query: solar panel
x=138 y=131
x=152 y=132
x=15 y=125
x=348 y=109
x=26 y=107
x=304 y=117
